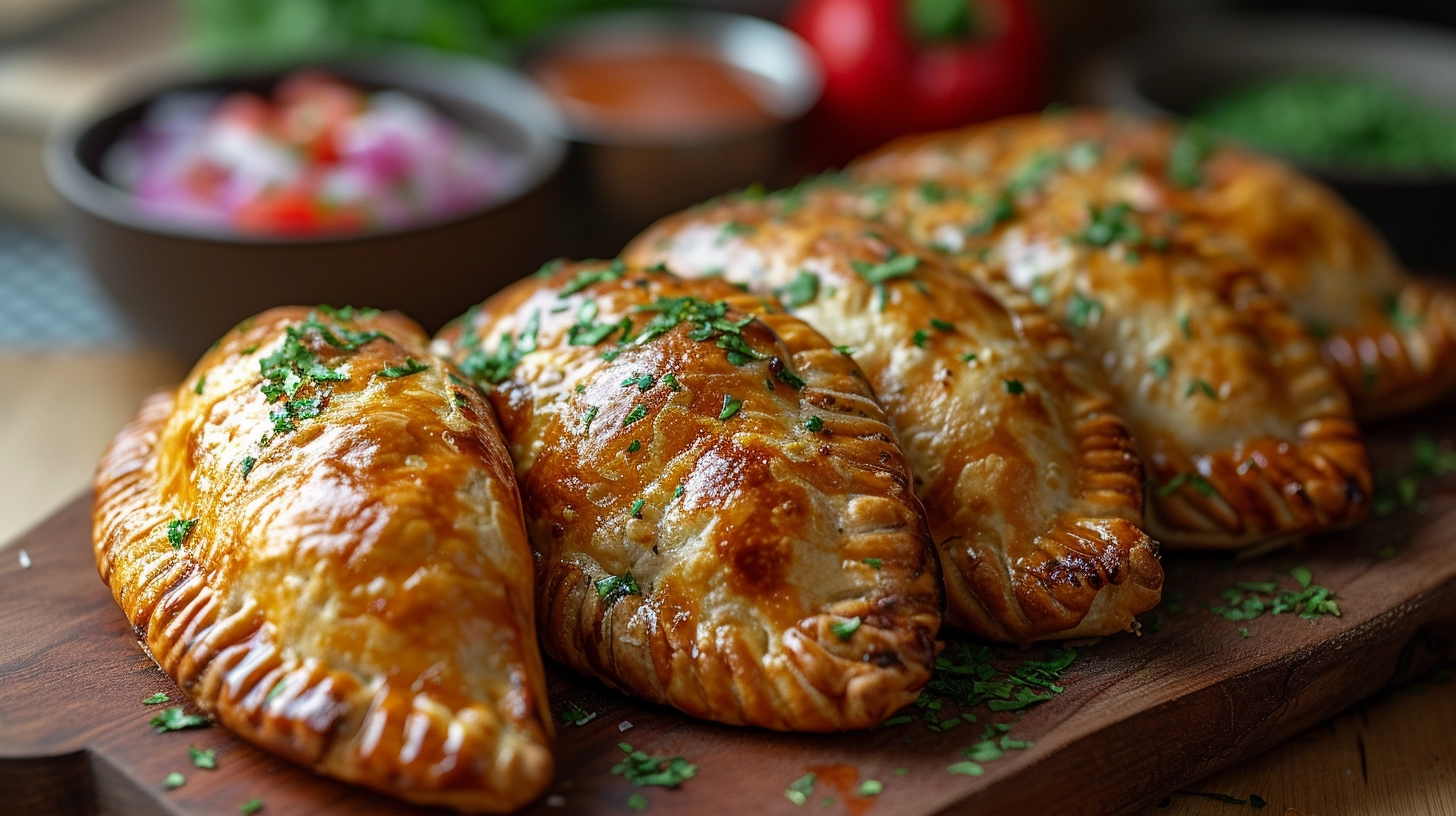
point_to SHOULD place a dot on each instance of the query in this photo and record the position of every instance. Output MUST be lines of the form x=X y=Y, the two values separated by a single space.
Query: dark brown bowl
x=1172 y=70
x=182 y=286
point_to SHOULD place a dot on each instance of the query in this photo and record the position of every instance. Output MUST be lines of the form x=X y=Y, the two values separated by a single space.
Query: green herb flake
x=174 y=780
x=587 y=277
x=1160 y=366
x=591 y=414
x=1109 y=225
x=156 y=699
x=614 y=587
x=175 y=719
x=896 y=266
x=874 y=563
x=942 y=325
x=1082 y=156
x=1082 y=310
x=411 y=366
x=968 y=357
x=636 y=510
x=677 y=492
x=205 y=758
x=179 y=530
x=784 y=375
x=1015 y=387
x=1194 y=144
x=1034 y=173
x=637 y=802
x=251 y=806
x=641 y=769
x=803 y=289
x=730 y=407
x=1185 y=325
x=1199 y=384
x=635 y=446
x=920 y=338
x=638 y=412
x=247 y=466
x=1194 y=480
x=1302 y=575
x=573 y=714
x=1244 y=632
x=846 y=350
x=870 y=787
x=201 y=383
x=966 y=769
x=844 y=629
x=800 y=789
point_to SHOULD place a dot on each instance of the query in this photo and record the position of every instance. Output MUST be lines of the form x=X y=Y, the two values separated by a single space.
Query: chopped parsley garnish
x=247 y=467
x=573 y=715
x=870 y=787
x=587 y=277
x=1015 y=387
x=179 y=530
x=174 y=780
x=1033 y=173
x=968 y=357
x=784 y=375
x=641 y=769
x=804 y=288
x=1106 y=226
x=967 y=676
x=636 y=510
x=1160 y=366
x=815 y=424
x=174 y=718
x=1399 y=318
x=642 y=381
x=730 y=407
x=587 y=331
x=1002 y=208
x=635 y=446
x=347 y=313
x=156 y=699
x=966 y=769
x=931 y=192
x=848 y=350
x=1082 y=310
x=844 y=629
x=1186 y=326
x=677 y=492
x=732 y=228
x=591 y=413
x=895 y=266
x=637 y=802
x=249 y=349
x=920 y=338
x=1194 y=144
x=614 y=587
x=1250 y=599
x=205 y=758
x=411 y=366
x=1082 y=156
x=251 y=806
x=201 y=383
x=1199 y=384
x=638 y=412
x=737 y=350
x=550 y=268
x=670 y=380
x=800 y=789
x=1186 y=478
x=496 y=367
x=942 y=325
x=874 y=563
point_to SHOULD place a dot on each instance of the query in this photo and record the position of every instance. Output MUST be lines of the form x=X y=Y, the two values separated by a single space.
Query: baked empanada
x=1248 y=436
x=1028 y=477
x=1390 y=337
x=319 y=537
x=722 y=519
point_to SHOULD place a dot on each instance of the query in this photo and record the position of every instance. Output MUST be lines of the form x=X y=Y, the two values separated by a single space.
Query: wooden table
x=1394 y=755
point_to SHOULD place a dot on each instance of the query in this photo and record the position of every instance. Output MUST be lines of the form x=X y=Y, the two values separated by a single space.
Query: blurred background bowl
x=629 y=175
x=183 y=286
x=1175 y=69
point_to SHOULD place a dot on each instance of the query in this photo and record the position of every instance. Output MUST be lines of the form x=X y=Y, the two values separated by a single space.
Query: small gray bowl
x=184 y=286
x=1172 y=69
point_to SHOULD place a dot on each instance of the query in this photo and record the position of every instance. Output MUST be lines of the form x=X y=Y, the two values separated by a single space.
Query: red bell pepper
x=903 y=66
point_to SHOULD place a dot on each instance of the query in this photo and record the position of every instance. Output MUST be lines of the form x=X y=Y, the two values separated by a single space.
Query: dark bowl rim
x=1117 y=81
x=524 y=105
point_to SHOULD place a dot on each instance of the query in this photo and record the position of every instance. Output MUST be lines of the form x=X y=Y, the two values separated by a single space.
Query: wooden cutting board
x=1140 y=716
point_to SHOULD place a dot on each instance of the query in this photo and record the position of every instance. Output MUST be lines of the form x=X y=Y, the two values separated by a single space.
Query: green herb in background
x=270 y=28
x=1338 y=121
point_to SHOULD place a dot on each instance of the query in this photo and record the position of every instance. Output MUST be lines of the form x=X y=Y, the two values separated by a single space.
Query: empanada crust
x=355 y=594
x=1248 y=436
x=1389 y=336
x=1028 y=477
x=750 y=533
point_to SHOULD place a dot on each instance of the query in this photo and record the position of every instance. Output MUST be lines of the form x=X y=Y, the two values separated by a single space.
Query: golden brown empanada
x=1028 y=477
x=319 y=537
x=1390 y=337
x=1248 y=436
x=722 y=519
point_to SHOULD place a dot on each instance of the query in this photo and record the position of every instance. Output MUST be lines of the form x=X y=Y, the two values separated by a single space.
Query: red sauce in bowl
x=658 y=92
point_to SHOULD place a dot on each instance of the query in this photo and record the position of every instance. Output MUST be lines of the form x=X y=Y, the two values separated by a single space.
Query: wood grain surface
x=1140 y=717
